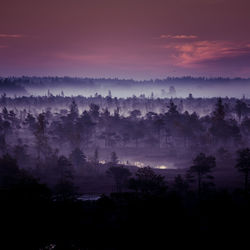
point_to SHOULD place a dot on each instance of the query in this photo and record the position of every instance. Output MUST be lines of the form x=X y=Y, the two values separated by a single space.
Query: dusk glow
x=138 y=39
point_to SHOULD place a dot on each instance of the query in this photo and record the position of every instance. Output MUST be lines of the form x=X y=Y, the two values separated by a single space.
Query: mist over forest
x=106 y=153
x=124 y=88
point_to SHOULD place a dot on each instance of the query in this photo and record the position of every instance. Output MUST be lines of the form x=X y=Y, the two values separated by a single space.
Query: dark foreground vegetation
x=145 y=209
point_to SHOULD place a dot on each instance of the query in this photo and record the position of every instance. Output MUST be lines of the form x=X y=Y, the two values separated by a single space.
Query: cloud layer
x=164 y=36
x=132 y=38
x=200 y=53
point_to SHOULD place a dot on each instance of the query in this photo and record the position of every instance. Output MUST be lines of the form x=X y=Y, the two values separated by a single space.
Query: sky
x=138 y=39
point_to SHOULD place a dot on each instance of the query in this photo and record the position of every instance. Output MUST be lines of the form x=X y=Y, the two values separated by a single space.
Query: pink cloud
x=199 y=52
x=164 y=36
x=11 y=36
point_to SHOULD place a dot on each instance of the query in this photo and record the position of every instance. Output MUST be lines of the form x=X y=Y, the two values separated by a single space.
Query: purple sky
x=138 y=39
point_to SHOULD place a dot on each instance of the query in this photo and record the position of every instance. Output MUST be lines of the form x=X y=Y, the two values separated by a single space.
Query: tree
x=148 y=182
x=74 y=112
x=223 y=155
x=180 y=184
x=120 y=176
x=5 y=113
x=224 y=130
x=77 y=158
x=114 y=158
x=41 y=138
x=65 y=188
x=31 y=121
x=137 y=132
x=94 y=111
x=135 y=114
x=240 y=109
x=96 y=156
x=84 y=129
x=20 y=153
x=243 y=165
x=172 y=108
x=219 y=112
x=65 y=170
x=203 y=165
x=159 y=125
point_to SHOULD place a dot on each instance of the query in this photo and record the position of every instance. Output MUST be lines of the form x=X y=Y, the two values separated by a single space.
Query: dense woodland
x=88 y=172
x=89 y=133
x=177 y=126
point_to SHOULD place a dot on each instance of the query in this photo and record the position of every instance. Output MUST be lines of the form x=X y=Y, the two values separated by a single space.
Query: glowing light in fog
x=161 y=167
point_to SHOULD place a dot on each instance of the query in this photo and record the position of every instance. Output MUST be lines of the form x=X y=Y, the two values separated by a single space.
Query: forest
x=74 y=169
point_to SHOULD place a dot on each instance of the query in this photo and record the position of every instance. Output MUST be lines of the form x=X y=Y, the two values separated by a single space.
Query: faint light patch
x=49 y=247
x=139 y=164
x=162 y=167
x=89 y=197
x=11 y=35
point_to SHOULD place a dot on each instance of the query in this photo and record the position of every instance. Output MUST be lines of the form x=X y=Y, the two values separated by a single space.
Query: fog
x=86 y=160
x=163 y=124
x=234 y=89
x=124 y=88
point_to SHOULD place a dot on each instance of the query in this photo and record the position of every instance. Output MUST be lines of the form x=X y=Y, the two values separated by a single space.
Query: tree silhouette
x=120 y=176
x=20 y=153
x=240 y=109
x=135 y=114
x=74 y=112
x=180 y=184
x=94 y=111
x=30 y=121
x=40 y=134
x=159 y=125
x=96 y=156
x=219 y=112
x=65 y=188
x=114 y=159
x=243 y=165
x=202 y=167
x=172 y=108
x=77 y=158
x=147 y=182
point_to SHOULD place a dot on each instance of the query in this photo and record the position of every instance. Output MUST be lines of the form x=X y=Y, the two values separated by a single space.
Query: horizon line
x=132 y=79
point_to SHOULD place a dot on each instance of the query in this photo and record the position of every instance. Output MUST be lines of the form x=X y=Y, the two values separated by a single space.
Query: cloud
x=200 y=53
x=164 y=36
x=11 y=35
